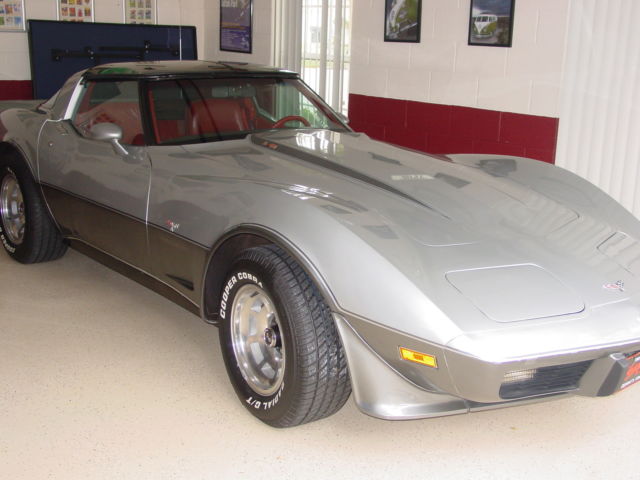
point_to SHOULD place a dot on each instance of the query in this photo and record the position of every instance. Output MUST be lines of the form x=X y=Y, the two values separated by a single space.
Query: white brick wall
x=14 y=57
x=442 y=68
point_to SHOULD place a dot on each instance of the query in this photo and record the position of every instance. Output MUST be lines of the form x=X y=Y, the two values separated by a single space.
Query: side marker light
x=417 y=357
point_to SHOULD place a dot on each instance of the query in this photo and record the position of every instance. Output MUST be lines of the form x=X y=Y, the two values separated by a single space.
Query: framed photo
x=491 y=23
x=236 y=25
x=12 y=15
x=75 y=10
x=402 y=19
x=140 y=11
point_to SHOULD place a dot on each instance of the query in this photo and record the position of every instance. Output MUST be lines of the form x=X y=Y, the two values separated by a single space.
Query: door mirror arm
x=109 y=132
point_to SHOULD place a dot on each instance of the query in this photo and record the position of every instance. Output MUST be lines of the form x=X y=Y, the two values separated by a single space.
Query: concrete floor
x=102 y=379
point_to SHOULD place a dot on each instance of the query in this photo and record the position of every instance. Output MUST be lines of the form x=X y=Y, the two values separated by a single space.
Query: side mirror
x=109 y=132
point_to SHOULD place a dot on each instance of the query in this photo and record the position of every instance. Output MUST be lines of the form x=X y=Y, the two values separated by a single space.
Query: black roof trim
x=182 y=69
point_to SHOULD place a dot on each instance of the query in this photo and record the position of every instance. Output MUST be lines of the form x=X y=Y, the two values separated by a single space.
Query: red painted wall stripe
x=434 y=128
x=16 y=90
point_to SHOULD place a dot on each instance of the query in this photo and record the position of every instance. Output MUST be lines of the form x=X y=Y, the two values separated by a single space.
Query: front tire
x=280 y=345
x=27 y=232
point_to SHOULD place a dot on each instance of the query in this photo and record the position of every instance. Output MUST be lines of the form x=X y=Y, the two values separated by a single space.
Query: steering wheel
x=291 y=118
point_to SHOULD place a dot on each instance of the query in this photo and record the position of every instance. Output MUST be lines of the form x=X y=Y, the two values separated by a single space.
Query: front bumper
x=385 y=386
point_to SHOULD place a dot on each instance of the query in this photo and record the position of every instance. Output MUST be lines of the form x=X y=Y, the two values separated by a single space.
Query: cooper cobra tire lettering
x=232 y=282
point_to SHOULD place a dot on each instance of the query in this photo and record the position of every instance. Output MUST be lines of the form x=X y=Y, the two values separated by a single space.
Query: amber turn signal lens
x=417 y=357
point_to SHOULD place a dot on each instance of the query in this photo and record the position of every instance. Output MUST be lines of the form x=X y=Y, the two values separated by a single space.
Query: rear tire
x=280 y=344
x=27 y=232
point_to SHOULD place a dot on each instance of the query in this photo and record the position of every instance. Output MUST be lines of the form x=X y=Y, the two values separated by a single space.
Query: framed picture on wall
x=236 y=25
x=491 y=23
x=140 y=11
x=402 y=20
x=12 y=15
x=75 y=10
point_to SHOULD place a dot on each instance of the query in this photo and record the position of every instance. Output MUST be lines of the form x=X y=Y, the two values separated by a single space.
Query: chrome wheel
x=256 y=339
x=12 y=209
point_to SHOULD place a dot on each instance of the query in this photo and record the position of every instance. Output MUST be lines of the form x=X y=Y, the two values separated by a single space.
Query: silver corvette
x=331 y=263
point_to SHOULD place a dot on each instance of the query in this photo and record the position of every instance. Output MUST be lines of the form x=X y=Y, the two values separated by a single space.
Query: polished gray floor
x=103 y=379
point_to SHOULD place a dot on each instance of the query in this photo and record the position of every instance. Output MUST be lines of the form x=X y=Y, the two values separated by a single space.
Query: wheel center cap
x=269 y=337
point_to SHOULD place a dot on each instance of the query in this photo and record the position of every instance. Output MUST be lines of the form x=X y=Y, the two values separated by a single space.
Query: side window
x=281 y=99
x=110 y=102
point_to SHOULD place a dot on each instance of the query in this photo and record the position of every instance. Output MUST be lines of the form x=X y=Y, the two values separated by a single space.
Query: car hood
x=518 y=238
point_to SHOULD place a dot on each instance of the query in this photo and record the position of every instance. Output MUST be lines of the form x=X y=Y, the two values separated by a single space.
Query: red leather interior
x=124 y=114
x=222 y=115
x=177 y=118
x=167 y=118
x=169 y=129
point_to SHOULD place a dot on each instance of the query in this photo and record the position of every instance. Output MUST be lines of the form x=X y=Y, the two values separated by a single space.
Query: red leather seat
x=218 y=115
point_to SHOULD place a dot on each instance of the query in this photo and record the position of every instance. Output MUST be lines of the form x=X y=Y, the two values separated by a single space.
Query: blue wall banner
x=59 y=49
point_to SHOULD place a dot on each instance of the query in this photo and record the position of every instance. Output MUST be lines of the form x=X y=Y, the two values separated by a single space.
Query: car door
x=98 y=190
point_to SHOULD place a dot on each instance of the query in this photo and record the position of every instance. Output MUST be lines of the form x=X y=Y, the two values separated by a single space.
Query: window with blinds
x=313 y=37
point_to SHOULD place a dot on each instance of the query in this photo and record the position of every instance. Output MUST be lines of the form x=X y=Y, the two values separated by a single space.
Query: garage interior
x=102 y=378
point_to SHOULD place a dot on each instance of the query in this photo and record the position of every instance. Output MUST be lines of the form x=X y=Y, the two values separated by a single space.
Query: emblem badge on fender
x=619 y=285
x=172 y=226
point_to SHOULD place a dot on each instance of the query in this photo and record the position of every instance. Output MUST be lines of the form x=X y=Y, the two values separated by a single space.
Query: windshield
x=205 y=110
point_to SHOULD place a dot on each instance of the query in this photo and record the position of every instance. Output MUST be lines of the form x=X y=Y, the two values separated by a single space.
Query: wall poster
x=11 y=14
x=491 y=23
x=402 y=20
x=235 y=25
x=140 y=11
x=75 y=10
